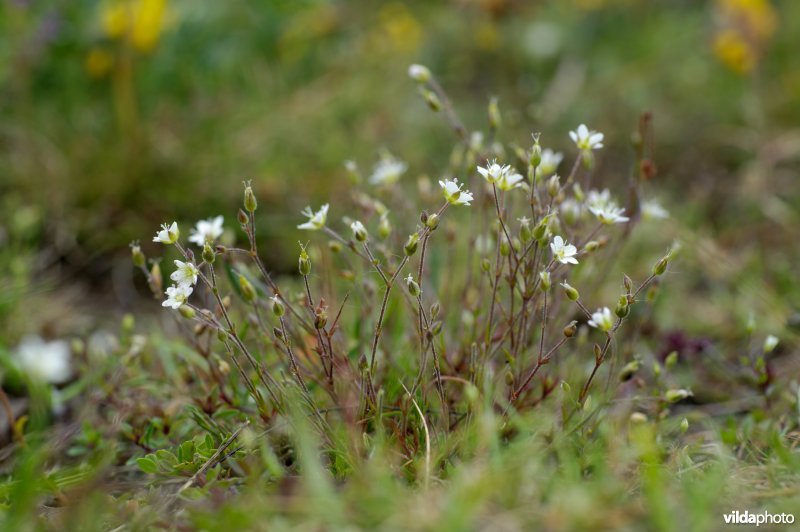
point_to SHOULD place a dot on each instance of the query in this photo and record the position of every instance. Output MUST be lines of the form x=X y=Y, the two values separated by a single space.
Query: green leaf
x=147 y=464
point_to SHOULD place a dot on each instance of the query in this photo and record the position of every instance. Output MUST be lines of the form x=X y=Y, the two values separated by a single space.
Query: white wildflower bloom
x=770 y=343
x=494 y=172
x=419 y=73
x=652 y=210
x=387 y=171
x=571 y=210
x=585 y=139
x=316 y=220
x=599 y=199
x=602 y=319
x=509 y=180
x=185 y=274
x=45 y=361
x=177 y=295
x=453 y=193
x=609 y=214
x=206 y=231
x=563 y=252
x=550 y=161
x=168 y=234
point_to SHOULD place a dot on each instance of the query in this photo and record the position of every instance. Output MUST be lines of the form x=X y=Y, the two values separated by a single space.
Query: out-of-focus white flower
x=770 y=343
x=168 y=234
x=586 y=139
x=206 y=231
x=185 y=274
x=609 y=214
x=453 y=193
x=550 y=162
x=599 y=199
x=359 y=231
x=494 y=172
x=387 y=171
x=419 y=73
x=316 y=220
x=602 y=319
x=45 y=361
x=563 y=252
x=652 y=210
x=177 y=295
x=570 y=210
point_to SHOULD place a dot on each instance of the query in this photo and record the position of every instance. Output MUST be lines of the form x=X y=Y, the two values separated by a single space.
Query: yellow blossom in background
x=399 y=25
x=99 y=62
x=745 y=29
x=139 y=22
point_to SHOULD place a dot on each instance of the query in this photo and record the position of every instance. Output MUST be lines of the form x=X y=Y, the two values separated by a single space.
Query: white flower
x=609 y=214
x=770 y=343
x=206 y=231
x=494 y=172
x=599 y=199
x=46 y=361
x=586 y=139
x=509 y=180
x=602 y=319
x=454 y=194
x=168 y=235
x=177 y=295
x=652 y=210
x=419 y=73
x=563 y=252
x=387 y=171
x=550 y=161
x=186 y=273
x=316 y=220
x=359 y=231
x=570 y=210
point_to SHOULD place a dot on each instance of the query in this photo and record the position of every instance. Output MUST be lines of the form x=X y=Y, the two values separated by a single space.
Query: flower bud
x=661 y=265
x=413 y=287
x=278 y=333
x=544 y=277
x=250 y=203
x=591 y=246
x=673 y=396
x=419 y=73
x=627 y=283
x=770 y=343
x=303 y=262
x=637 y=418
x=554 y=185
x=671 y=360
x=335 y=246
x=359 y=231
x=277 y=307
x=505 y=249
x=629 y=370
x=436 y=327
x=410 y=246
x=509 y=378
x=486 y=265
x=571 y=328
x=187 y=312
x=525 y=229
x=208 y=253
x=535 y=158
x=540 y=230
x=156 y=281
x=243 y=218
x=320 y=316
x=684 y=425
x=433 y=222
x=494 y=114
x=432 y=100
x=384 y=227
x=571 y=292
x=137 y=255
x=435 y=308
x=248 y=291
x=623 y=309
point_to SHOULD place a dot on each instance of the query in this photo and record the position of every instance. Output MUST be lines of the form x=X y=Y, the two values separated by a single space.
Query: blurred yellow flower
x=99 y=62
x=400 y=26
x=745 y=28
x=139 y=22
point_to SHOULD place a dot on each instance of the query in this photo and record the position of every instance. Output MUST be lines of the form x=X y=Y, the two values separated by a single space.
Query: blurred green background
x=116 y=116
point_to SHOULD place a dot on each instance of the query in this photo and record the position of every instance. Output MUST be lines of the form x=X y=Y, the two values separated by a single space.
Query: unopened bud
x=433 y=221
x=435 y=309
x=187 y=312
x=535 y=158
x=156 y=281
x=571 y=328
x=432 y=100
x=671 y=360
x=629 y=370
x=138 y=257
x=525 y=229
x=208 y=253
x=419 y=73
x=571 y=293
x=410 y=246
x=359 y=231
x=436 y=327
x=384 y=227
x=638 y=418
x=303 y=262
x=623 y=309
x=486 y=265
x=413 y=287
x=544 y=278
x=248 y=291
x=684 y=425
x=505 y=249
x=661 y=266
x=320 y=317
x=494 y=114
x=277 y=307
x=591 y=246
x=554 y=185
x=673 y=396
